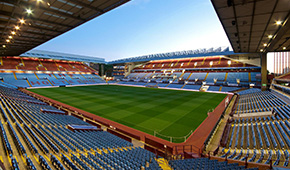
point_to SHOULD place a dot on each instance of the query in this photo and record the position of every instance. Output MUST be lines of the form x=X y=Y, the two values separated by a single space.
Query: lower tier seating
x=45 y=142
x=51 y=79
x=196 y=87
x=204 y=163
x=264 y=135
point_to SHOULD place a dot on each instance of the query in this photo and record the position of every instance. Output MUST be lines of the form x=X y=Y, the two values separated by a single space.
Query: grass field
x=170 y=112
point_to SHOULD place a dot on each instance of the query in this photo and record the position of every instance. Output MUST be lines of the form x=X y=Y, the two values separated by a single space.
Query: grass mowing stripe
x=172 y=112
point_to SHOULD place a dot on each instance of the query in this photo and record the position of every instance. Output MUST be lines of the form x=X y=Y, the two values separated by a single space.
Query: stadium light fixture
x=229 y=62
x=8 y=40
x=10 y=37
x=4 y=46
x=270 y=36
x=265 y=45
x=278 y=22
x=13 y=32
x=28 y=11
x=22 y=21
x=261 y=50
x=17 y=27
x=40 y=2
x=284 y=48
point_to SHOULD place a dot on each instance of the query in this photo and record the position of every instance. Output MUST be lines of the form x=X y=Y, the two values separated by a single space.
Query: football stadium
x=206 y=108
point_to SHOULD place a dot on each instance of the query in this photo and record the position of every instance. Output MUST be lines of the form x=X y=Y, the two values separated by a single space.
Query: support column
x=130 y=67
x=279 y=64
x=274 y=63
x=282 y=63
x=288 y=64
x=264 y=80
x=102 y=70
x=276 y=71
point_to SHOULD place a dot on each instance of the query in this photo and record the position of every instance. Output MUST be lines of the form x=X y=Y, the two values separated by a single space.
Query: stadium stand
x=38 y=129
x=25 y=63
x=102 y=149
x=25 y=72
x=264 y=134
x=43 y=130
x=40 y=132
x=280 y=84
x=219 y=73
x=37 y=135
x=204 y=163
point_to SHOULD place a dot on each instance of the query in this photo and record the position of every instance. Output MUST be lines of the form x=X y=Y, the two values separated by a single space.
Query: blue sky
x=143 y=27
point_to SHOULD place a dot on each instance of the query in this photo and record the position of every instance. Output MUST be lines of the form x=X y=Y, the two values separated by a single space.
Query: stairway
x=29 y=83
x=226 y=76
x=205 y=76
x=163 y=164
x=188 y=77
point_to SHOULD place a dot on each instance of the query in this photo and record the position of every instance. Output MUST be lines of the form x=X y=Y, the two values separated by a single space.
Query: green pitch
x=170 y=112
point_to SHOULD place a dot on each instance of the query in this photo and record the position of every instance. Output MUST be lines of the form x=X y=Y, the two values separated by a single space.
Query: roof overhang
x=177 y=54
x=251 y=25
x=62 y=56
x=49 y=19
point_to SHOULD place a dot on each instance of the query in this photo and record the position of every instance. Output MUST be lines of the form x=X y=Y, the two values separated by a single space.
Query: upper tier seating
x=23 y=63
x=201 y=62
